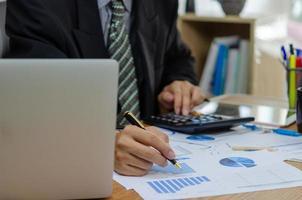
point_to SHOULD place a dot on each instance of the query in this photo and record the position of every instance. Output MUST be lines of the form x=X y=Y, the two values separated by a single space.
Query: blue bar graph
x=154 y=187
x=174 y=185
x=189 y=181
x=167 y=185
x=177 y=183
x=195 y=181
x=183 y=182
x=160 y=187
x=201 y=180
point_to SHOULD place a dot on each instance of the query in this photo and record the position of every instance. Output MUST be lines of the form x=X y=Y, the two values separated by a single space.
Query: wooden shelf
x=198 y=33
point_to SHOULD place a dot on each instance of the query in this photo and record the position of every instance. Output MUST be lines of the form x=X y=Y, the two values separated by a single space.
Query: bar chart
x=177 y=184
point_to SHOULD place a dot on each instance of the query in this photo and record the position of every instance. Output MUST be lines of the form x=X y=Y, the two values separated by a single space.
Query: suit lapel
x=89 y=34
x=149 y=9
x=142 y=38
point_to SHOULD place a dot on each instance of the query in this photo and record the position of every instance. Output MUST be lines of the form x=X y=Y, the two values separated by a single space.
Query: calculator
x=196 y=124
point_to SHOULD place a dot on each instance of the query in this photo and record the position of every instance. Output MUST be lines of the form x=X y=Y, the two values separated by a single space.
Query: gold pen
x=134 y=121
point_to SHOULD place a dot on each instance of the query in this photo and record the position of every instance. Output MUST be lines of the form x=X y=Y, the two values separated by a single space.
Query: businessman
x=156 y=68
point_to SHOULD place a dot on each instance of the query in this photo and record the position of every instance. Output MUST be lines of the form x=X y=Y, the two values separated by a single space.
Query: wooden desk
x=283 y=194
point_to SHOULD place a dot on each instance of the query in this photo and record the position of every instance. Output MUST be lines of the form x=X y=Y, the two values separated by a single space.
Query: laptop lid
x=57 y=128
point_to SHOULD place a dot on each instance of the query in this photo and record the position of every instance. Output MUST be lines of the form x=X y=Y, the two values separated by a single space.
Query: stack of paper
x=210 y=167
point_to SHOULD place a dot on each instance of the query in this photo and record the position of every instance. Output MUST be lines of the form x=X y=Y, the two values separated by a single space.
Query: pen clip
x=133 y=120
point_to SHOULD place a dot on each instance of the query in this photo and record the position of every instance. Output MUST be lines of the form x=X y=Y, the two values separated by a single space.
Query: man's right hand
x=137 y=150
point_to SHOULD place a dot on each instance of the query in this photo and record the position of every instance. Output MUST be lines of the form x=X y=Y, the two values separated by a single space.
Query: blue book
x=218 y=83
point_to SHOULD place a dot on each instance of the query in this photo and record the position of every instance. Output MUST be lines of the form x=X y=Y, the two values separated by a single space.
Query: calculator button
x=195 y=122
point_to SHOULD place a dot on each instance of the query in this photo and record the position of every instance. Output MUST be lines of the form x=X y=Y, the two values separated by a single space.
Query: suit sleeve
x=179 y=64
x=33 y=31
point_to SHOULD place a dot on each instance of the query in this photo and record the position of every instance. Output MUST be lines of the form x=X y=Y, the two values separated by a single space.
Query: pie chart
x=238 y=162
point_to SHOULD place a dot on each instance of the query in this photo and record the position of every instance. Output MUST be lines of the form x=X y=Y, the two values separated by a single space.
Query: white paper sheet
x=214 y=168
x=271 y=177
x=292 y=152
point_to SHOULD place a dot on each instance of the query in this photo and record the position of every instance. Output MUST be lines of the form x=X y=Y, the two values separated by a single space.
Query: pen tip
x=178 y=165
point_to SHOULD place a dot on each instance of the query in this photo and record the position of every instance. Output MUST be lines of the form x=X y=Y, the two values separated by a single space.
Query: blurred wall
x=253 y=7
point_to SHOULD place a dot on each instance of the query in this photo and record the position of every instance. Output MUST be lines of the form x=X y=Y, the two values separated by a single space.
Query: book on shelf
x=218 y=79
x=226 y=67
x=243 y=69
x=233 y=63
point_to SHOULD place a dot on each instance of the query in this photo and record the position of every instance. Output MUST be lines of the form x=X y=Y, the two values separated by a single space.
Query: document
x=292 y=152
x=286 y=147
x=210 y=167
x=204 y=184
x=259 y=139
x=205 y=139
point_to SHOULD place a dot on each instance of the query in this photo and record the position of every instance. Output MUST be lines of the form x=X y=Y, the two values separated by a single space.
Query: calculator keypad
x=196 y=124
x=180 y=120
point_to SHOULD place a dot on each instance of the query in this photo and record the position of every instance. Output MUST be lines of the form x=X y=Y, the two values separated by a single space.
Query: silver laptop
x=57 y=127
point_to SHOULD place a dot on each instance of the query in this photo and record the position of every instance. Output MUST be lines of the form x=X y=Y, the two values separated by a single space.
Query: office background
x=263 y=18
x=277 y=22
x=260 y=19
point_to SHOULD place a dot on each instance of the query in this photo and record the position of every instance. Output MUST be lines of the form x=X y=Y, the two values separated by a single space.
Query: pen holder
x=294 y=81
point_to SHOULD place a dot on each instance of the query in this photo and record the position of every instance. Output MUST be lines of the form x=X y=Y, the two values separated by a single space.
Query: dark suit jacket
x=72 y=29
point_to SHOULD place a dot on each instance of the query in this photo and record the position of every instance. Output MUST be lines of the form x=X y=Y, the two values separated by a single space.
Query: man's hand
x=180 y=96
x=137 y=149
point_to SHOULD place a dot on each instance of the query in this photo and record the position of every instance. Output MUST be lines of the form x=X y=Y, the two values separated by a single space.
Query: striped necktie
x=120 y=50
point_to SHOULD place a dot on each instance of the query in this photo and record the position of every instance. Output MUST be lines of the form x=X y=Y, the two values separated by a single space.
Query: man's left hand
x=180 y=96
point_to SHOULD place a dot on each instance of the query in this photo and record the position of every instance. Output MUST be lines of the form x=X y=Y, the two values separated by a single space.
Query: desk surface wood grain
x=119 y=192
